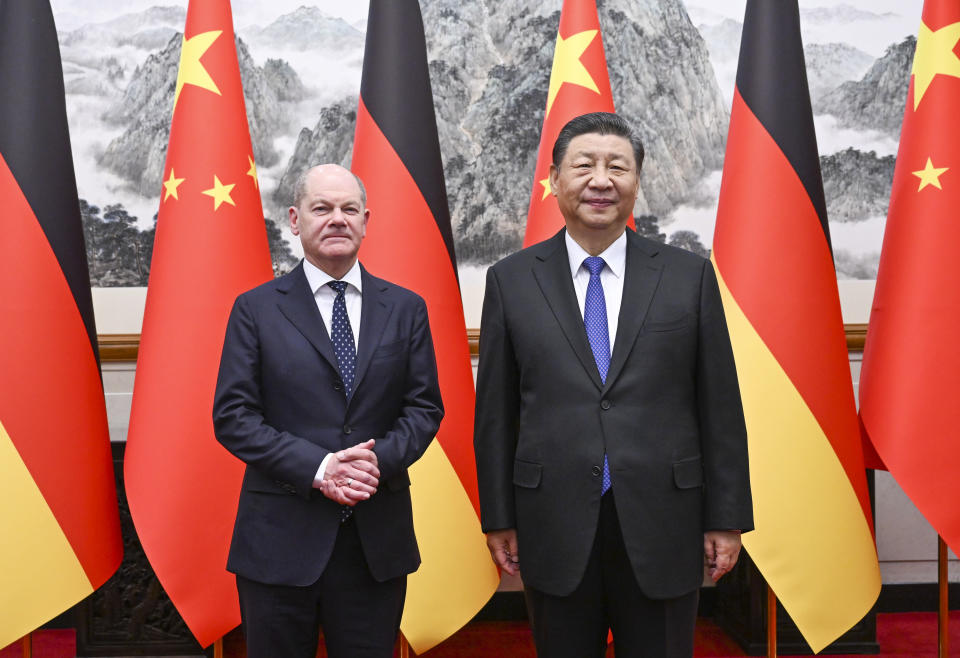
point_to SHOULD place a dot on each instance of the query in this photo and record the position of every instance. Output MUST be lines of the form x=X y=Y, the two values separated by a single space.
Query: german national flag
x=908 y=384
x=579 y=84
x=211 y=245
x=59 y=527
x=814 y=539
x=409 y=241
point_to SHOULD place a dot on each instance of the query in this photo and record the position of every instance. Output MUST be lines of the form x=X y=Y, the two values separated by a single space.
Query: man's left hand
x=720 y=549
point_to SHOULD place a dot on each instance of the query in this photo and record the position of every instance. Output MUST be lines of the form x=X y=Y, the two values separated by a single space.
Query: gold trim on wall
x=124 y=347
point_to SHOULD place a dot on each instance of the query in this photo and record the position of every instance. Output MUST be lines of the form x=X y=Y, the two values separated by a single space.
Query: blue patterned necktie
x=598 y=333
x=343 y=346
x=342 y=336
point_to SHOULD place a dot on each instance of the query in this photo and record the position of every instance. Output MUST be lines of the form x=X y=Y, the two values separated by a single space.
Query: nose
x=600 y=178
x=337 y=216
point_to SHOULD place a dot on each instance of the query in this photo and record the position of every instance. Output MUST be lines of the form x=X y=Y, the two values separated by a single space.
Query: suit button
x=605 y=404
x=338 y=385
x=596 y=471
x=347 y=429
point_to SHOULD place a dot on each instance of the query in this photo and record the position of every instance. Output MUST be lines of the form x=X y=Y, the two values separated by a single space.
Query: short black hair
x=600 y=123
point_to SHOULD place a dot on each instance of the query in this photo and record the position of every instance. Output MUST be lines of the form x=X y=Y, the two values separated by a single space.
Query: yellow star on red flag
x=252 y=172
x=547 y=190
x=935 y=55
x=567 y=67
x=170 y=186
x=192 y=71
x=930 y=175
x=220 y=193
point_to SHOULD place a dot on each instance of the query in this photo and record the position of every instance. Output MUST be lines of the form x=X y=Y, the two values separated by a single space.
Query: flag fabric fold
x=813 y=541
x=909 y=375
x=210 y=246
x=58 y=503
x=579 y=84
x=409 y=241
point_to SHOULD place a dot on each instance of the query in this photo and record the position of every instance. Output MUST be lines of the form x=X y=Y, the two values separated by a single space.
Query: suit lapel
x=299 y=307
x=374 y=313
x=641 y=278
x=552 y=272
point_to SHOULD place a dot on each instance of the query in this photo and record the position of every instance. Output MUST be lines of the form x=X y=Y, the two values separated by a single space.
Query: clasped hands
x=351 y=475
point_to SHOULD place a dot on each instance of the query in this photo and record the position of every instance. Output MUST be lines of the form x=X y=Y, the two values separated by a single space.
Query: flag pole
x=218 y=648
x=404 y=647
x=771 y=623
x=27 y=645
x=943 y=611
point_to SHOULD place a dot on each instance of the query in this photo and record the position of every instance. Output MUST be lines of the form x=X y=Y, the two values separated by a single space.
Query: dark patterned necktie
x=343 y=346
x=342 y=336
x=598 y=333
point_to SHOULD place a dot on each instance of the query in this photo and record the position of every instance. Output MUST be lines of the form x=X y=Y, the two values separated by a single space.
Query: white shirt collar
x=615 y=256
x=317 y=277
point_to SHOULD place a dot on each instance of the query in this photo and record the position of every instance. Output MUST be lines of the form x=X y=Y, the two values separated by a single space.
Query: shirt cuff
x=318 y=478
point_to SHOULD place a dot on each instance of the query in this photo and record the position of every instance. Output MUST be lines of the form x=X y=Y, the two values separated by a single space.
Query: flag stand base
x=943 y=607
x=771 y=623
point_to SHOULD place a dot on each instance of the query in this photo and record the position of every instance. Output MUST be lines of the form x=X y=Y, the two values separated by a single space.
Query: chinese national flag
x=813 y=540
x=59 y=527
x=210 y=246
x=909 y=382
x=409 y=241
x=578 y=84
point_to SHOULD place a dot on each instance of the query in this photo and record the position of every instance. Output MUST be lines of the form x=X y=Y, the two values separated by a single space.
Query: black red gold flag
x=813 y=540
x=58 y=503
x=409 y=241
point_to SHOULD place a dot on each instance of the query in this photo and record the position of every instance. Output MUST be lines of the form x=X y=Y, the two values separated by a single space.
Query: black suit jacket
x=280 y=407
x=669 y=416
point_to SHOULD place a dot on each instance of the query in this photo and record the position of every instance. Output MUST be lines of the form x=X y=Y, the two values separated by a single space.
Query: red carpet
x=901 y=635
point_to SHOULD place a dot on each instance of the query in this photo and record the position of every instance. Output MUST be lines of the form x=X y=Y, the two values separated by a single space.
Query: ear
x=366 y=218
x=294 y=220
x=554 y=178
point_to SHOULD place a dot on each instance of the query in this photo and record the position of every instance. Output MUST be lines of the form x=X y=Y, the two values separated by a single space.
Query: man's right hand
x=503 y=549
x=351 y=475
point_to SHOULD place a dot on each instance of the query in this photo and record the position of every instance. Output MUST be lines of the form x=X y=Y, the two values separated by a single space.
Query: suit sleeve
x=422 y=407
x=238 y=420
x=497 y=413
x=727 y=501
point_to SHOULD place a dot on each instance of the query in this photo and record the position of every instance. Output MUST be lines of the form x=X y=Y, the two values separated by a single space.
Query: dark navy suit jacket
x=280 y=407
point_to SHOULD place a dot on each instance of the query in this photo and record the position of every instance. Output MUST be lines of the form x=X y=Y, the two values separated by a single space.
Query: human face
x=596 y=186
x=330 y=219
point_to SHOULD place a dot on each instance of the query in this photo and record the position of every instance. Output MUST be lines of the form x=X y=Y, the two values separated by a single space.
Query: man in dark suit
x=328 y=391
x=610 y=440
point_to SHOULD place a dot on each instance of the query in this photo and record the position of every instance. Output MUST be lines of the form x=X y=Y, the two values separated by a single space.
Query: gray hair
x=300 y=187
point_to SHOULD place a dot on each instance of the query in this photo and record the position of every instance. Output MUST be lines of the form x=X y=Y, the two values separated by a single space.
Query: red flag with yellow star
x=59 y=527
x=578 y=84
x=909 y=376
x=210 y=246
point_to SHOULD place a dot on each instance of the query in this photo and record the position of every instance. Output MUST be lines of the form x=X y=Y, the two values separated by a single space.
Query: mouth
x=599 y=203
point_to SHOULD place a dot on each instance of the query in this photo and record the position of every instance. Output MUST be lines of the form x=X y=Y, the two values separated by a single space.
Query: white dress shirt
x=611 y=278
x=324 y=295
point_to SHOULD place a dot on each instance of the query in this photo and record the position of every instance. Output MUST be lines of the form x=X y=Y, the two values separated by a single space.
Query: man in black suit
x=328 y=392
x=610 y=440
